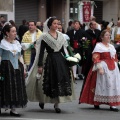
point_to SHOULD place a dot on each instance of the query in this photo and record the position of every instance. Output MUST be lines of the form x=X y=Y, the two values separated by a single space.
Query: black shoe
x=77 y=78
x=81 y=77
x=57 y=110
x=114 y=109
x=14 y=114
x=96 y=106
x=41 y=105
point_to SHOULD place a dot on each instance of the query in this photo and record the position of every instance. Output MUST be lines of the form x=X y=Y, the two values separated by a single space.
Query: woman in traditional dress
x=103 y=81
x=12 y=83
x=56 y=84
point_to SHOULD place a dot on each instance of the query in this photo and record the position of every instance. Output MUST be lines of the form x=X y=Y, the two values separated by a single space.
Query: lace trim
x=107 y=99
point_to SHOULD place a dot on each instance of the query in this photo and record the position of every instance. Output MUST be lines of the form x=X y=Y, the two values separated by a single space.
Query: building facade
x=65 y=10
x=7 y=9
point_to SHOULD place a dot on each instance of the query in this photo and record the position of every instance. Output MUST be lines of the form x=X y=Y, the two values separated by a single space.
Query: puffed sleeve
x=96 y=60
x=96 y=57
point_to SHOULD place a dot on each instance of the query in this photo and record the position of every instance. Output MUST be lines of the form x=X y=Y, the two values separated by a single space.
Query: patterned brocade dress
x=12 y=82
x=105 y=88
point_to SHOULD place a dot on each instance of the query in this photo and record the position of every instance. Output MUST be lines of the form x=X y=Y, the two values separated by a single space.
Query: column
x=67 y=13
x=42 y=10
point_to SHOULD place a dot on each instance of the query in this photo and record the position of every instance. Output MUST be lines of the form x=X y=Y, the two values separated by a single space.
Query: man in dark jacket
x=22 y=29
x=75 y=36
x=92 y=35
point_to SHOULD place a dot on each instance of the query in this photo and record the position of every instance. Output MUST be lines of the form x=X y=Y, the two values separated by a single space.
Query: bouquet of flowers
x=85 y=46
x=73 y=59
x=85 y=43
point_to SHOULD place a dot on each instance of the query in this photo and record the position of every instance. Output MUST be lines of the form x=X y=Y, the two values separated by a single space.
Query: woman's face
x=106 y=37
x=12 y=33
x=54 y=25
x=60 y=28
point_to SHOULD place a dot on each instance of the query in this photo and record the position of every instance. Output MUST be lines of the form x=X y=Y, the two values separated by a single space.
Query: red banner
x=86 y=11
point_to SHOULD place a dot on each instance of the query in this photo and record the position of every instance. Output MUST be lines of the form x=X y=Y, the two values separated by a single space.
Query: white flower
x=83 y=38
x=77 y=56
x=73 y=59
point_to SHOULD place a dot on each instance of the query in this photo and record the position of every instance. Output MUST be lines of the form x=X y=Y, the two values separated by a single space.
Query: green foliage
x=85 y=43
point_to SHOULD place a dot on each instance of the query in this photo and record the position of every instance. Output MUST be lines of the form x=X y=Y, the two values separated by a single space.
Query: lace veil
x=45 y=27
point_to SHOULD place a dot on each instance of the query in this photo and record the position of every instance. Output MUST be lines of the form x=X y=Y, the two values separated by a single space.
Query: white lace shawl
x=100 y=47
x=13 y=47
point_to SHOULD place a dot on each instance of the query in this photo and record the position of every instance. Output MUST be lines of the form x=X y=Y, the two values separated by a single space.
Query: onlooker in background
x=1 y=36
x=83 y=26
x=60 y=28
x=29 y=42
x=70 y=26
x=98 y=26
x=115 y=37
x=93 y=18
x=41 y=27
x=22 y=29
x=104 y=25
x=38 y=24
x=12 y=23
x=2 y=21
x=60 y=23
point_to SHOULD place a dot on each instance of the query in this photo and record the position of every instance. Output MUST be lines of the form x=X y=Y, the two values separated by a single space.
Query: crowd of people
x=40 y=63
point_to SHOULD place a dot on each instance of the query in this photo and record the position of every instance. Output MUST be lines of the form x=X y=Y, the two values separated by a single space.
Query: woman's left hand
x=25 y=74
x=101 y=71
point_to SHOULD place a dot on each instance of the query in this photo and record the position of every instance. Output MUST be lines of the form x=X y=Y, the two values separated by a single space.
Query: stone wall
x=6 y=5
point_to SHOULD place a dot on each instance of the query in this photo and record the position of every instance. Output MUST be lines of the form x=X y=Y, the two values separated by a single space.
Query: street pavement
x=70 y=111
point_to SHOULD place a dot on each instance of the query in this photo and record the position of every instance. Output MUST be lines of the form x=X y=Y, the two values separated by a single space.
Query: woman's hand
x=72 y=48
x=25 y=74
x=40 y=69
x=101 y=71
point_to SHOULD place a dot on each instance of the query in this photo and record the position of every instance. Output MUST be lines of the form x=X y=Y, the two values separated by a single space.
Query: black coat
x=77 y=36
x=88 y=53
x=22 y=29
x=93 y=35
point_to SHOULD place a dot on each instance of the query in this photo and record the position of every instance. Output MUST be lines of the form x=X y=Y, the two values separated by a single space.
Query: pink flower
x=117 y=43
x=83 y=38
